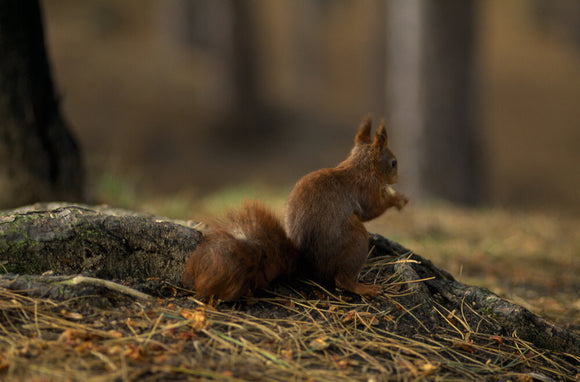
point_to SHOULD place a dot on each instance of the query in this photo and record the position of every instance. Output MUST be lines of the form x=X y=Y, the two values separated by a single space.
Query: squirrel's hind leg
x=353 y=286
x=352 y=258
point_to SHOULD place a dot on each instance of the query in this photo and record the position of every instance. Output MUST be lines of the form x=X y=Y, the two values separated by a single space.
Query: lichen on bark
x=97 y=241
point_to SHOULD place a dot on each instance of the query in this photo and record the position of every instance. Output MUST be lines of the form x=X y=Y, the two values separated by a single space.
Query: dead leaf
x=388 y=317
x=287 y=355
x=72 y=315
x=115 y=334
x=73 y=336
x=465 y=347
x=395 y=288
x=114 y=350
x=4 y=363
x=451 y=317
x=134 y=352
x=349 y=316
x=169 y=333
x=187 y=335
x=197 y=317
x=319 y=343
x=84 y=347
x=363 y=317
x=319 y=295
x=524 y=378
x=408 y=365
x=160 y=358
x=227 y=373
x=427 y=368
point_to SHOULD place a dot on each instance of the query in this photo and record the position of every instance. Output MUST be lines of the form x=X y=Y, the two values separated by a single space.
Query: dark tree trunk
x=451 y=167
x=226 y=31
x=431 y=96
x=39 y=159
x=248 y=122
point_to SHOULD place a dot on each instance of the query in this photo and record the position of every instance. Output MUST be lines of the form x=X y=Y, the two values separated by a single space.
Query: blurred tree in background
x=226 y=30
x=39 y=159
x=432 y=106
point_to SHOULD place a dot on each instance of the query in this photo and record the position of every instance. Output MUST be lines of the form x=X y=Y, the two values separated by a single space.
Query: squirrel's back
x=245 y=252
x=317 y=214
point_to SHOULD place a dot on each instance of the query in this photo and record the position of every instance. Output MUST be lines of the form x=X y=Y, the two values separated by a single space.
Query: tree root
x=432 y=287
x=62 y=286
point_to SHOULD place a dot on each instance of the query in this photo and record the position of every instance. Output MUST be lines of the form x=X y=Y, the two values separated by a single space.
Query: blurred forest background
x=194 y=96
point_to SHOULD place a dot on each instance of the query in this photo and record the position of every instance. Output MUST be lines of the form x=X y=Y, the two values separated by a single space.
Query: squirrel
x=323 y=237
x=326 y=208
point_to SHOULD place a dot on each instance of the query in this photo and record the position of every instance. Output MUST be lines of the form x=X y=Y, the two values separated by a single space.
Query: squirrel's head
x=375 y=152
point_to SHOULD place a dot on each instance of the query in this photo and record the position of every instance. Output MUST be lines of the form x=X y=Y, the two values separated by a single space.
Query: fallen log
x=96 y=241
x=112 y=244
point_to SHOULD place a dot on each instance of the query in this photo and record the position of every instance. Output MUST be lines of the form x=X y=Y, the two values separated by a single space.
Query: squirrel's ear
x=364 y=132
x=381 y=136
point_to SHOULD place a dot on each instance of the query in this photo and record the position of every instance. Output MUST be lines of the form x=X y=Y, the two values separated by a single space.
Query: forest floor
x=531 y=258
x=303 y=332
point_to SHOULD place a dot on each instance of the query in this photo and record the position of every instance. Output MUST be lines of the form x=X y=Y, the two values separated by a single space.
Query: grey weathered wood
x=439 y=287
x=66 y=287
x=97 y=241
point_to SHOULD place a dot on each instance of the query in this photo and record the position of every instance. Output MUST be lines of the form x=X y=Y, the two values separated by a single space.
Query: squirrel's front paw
x=397 y=199
x=400 y=200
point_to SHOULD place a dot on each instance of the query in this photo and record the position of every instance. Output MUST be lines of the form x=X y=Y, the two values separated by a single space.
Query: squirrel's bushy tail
x=245 y=252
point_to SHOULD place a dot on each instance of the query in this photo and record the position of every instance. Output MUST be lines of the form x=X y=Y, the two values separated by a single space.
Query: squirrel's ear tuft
x=381 y=136
x=364 y=132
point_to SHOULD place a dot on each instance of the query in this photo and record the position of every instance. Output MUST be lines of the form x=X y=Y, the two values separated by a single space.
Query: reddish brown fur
x=326 y=209
x=246 y=252
x=325 y=235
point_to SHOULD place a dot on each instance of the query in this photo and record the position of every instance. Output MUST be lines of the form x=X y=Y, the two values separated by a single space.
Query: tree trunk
x=224 y=30
x=249 y=115
x=130 y=247
x=431 y=98
x=39 y=159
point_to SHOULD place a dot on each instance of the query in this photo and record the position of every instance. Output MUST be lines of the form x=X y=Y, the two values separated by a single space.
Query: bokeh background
x=183 y=108
x=181 y=96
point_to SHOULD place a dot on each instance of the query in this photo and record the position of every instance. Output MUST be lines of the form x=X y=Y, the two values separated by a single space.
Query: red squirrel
x=323 y=237
x=326 y=208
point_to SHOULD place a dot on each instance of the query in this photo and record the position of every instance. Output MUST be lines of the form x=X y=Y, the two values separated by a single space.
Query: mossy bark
x=97 y=241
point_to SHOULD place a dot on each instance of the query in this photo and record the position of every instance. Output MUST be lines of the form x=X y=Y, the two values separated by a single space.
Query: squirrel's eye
x=394 y=163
